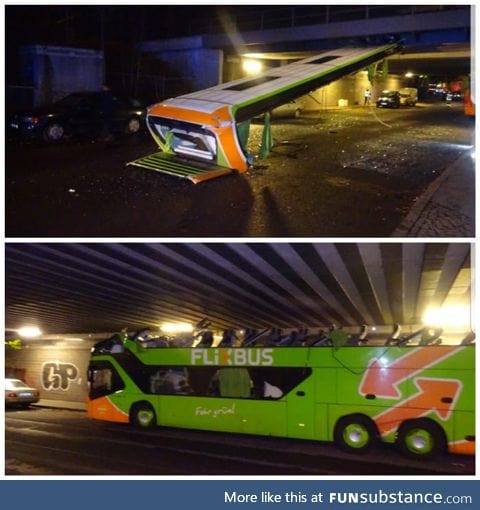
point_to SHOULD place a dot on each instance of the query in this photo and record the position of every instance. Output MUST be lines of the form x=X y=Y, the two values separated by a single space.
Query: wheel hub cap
x=419 y=441
x=356 y=436
x=145 y=417
x=56 y=132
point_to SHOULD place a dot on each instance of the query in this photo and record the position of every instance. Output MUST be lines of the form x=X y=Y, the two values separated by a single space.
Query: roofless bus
x=204 y=134
x=419 y=397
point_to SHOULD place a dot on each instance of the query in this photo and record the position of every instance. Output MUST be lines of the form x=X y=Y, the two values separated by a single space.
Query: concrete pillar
x=199 y=67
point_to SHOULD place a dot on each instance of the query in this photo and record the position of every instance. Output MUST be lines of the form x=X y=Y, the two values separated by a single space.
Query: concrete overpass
x=437 y=39
x=81 y=287
x=78 y=293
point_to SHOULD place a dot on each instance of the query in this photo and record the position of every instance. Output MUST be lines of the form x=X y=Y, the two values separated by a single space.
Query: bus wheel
x=421 y=438
x=355 y=433
x=142 y=415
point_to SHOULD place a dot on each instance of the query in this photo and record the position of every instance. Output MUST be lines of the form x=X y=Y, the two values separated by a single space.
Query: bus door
x=301 y=410
x=106 y=400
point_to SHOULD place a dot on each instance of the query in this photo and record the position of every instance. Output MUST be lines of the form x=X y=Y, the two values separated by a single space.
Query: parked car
x=389 y=99
x=77 y=114
x=408 y=96
x=18 y=393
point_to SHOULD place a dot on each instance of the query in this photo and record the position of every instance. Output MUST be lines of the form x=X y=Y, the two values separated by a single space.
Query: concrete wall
x=199 y=67
x=351 y=88
x=55 y=71
x=59 y=370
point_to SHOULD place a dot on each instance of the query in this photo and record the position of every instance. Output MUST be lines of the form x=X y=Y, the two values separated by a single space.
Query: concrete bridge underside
x=435 y=43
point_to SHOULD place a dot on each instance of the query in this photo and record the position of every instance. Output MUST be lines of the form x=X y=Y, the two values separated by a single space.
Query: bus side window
x=234 y=382
x=103 y=380
x=179 y=381
x=214 y=386
x=159 y=383
x=170 y=381
x=274 y=382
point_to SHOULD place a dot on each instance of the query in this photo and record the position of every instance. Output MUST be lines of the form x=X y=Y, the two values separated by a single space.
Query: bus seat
x=360 y=339
x=229 y=338
x=288 y=340
x=393 y=338
x=431 y=336
x=469 y=339
x=206 y=339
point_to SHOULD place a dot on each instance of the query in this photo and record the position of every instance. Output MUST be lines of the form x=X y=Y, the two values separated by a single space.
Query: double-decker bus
x=419 y=397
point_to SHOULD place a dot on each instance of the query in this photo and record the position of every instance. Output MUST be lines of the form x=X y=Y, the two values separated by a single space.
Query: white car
x=408 y=96
x=18 y=393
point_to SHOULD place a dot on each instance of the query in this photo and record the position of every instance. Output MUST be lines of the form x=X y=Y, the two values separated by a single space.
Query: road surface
x=352 y=172
x=42 y=441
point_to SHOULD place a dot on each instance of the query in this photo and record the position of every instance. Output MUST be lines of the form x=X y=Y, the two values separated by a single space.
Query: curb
x=416 y=211
x=61 y=404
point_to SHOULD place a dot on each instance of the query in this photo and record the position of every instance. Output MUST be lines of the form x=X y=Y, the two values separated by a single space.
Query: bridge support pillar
x=200 y=67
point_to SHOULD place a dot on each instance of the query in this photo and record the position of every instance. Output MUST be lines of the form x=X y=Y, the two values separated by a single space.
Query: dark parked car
x=81 y=113
x=389 y=99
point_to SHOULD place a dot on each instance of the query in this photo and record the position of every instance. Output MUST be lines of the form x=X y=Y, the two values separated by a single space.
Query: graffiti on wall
x=57 y=375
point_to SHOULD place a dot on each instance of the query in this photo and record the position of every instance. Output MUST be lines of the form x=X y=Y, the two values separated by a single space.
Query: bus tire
x=421 y=438
x=143 y=416
x=355 y=433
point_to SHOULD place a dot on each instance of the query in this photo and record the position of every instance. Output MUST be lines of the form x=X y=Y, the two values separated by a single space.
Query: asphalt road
x=340 y=173
x=41 y=441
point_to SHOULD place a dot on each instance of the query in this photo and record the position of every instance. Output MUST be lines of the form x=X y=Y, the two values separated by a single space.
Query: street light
x=456 y=317
x=29 y=331
x=252 y=66
x=181 y=327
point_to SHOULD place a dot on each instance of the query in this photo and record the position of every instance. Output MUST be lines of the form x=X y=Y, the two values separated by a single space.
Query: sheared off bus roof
x=281 y=84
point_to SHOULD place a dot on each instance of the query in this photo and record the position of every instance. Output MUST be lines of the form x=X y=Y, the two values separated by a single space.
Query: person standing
x=367 y=97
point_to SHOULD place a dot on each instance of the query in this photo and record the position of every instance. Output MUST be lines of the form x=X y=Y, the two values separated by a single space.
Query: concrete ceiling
x=98 y=287
x=449 y=60
x=444 y=60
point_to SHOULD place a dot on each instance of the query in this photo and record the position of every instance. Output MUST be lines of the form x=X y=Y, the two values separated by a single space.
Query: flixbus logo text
x=233 y=357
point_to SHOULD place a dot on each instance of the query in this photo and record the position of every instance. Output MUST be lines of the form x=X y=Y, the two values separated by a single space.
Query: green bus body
x=422 y=397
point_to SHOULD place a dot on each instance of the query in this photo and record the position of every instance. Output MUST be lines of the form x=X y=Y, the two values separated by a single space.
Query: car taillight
x=31 y=119
x=12 y=395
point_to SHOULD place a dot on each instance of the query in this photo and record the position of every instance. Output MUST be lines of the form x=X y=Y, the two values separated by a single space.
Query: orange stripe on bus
x=102 y=409
x=462 y=447
x=210 y=175
x=236 y=158
x=174 y=112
